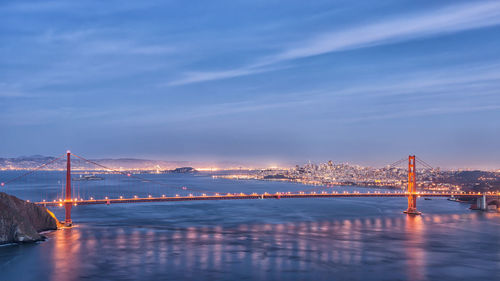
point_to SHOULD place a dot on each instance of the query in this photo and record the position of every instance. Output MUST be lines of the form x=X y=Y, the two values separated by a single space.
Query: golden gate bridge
x=69 y=200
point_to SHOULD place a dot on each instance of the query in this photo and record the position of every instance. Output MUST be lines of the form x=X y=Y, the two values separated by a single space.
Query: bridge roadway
x=241 y=196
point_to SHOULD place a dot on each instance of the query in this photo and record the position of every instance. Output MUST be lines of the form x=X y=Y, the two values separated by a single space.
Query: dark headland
x=21 y=221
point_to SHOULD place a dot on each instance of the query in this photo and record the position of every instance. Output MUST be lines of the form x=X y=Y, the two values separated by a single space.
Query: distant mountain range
x=29 y=162
x=34 y=161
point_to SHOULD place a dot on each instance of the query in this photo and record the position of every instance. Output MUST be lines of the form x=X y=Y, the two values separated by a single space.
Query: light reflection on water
x=357 y=248
x=312 y=239
x=414 y=247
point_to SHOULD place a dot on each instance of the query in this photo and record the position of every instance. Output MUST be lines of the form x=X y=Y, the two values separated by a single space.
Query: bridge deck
x=251 y=196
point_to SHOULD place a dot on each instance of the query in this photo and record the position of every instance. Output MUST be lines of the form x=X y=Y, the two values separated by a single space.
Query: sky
x=261 y=82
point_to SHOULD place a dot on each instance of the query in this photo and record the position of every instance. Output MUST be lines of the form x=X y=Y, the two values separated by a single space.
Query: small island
x=22 y=222
x=183 y=170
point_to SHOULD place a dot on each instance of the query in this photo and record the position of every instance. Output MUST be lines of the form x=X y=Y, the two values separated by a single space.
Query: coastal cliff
x=21 y=221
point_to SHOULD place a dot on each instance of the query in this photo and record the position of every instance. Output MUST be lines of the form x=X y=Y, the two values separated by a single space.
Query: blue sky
x=261 y=82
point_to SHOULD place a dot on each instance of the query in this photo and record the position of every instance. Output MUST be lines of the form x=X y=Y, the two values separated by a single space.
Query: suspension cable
x=34 y=170
x=141 y=178
x=397 y=162
x=424 y=163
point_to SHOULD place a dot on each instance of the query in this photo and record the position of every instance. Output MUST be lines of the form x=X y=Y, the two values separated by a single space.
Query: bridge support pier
x=481 y=203
x=412 y=206
x=67 y=200
x=412 y=188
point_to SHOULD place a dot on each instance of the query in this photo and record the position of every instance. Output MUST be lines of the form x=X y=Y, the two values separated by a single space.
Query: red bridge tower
x=67 y=199
x=412 y=187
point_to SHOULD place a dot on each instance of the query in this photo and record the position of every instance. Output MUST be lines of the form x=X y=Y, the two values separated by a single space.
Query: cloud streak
x=431 y=93
x=408 y=27
x=457 y=90
x=438 y=110
x=194 y=77
x=446 y=20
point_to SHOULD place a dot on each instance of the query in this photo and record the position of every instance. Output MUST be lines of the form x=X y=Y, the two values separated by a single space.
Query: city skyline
x=257 y=82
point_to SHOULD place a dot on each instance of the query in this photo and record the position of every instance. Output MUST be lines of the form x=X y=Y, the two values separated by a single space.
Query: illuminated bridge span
x=241 y=196
x=73 y=192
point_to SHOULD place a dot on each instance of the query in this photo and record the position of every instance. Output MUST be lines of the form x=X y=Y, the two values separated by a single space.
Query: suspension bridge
x=71 y=193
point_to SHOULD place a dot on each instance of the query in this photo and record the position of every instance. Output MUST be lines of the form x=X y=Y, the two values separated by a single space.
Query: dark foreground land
x=21 y=221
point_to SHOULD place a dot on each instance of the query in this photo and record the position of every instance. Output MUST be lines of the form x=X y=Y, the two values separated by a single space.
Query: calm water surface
x=296 y=239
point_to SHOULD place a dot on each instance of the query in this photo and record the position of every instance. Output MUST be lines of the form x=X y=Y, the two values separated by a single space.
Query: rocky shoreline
x=22 y=222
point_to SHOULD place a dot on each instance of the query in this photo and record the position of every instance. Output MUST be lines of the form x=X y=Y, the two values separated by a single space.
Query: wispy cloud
x=424 y=112
x=431 y=93
x=125 y=47
x=95 y=7
x=452 y=19
x=52 y=36
x=473 y=79
x=446 y=20
x=36 y=6
x=439 y=92
x=78 y=56
x=93 y=41
x=193 y=77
